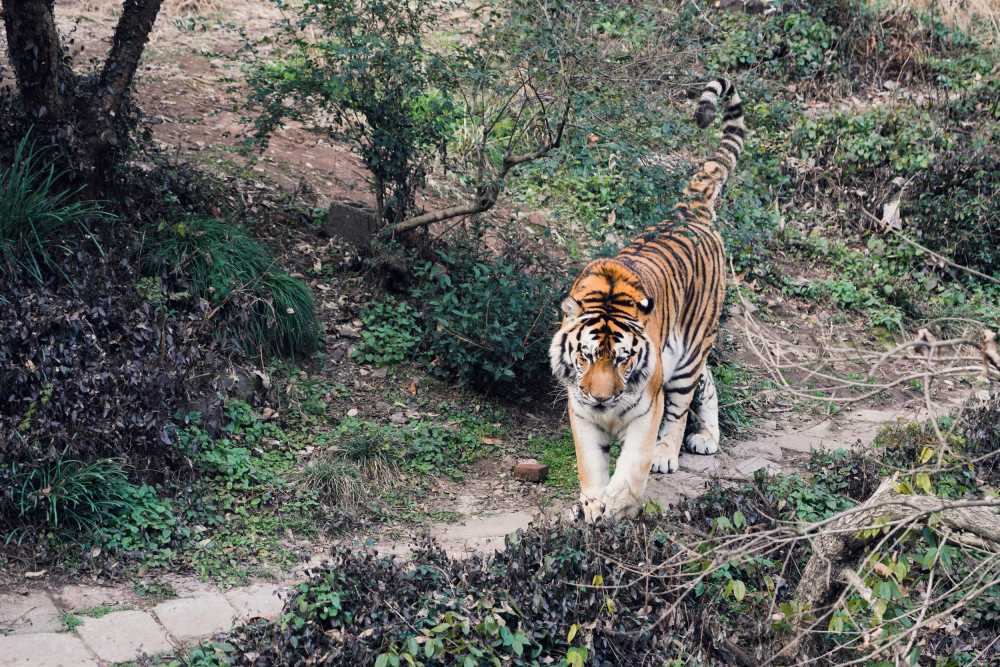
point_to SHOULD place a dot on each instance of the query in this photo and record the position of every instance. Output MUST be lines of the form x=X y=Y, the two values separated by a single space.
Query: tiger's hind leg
x=703 y=429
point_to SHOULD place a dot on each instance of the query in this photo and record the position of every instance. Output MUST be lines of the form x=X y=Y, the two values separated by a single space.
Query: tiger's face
x=602 y=353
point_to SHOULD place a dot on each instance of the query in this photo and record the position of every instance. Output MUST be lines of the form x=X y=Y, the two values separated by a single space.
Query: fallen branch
x=975 y=523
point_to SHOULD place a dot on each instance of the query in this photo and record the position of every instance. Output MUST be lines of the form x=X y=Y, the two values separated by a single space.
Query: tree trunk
x=84 y=117
x=36 y=55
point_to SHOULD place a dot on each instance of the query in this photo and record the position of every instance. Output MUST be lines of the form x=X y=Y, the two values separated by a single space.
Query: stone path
x=33 y=631
x=39 y=637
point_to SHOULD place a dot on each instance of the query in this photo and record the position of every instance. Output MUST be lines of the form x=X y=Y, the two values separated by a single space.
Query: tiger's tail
x=733 y=129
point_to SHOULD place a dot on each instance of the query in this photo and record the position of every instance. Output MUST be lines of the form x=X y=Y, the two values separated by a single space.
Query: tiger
x=636 y=332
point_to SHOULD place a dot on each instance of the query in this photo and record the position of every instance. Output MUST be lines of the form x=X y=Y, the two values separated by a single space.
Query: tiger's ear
x=571 y=307
x=646 y=305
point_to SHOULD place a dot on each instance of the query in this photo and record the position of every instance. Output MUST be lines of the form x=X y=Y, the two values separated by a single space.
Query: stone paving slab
x=29 y=613
x=193 y=618
x=257 y=601
x=751 y=465
x=123 y=635
x=706 y=465
x=74 y=598
x=45 y=649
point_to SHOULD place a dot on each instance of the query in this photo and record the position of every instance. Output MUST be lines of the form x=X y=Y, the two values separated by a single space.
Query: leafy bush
x=390 y=334
x=266 y=308
x=92 y=370
x=862 y=145
x=376 y=87
x=794 y=45
x=544 y=599
x=423 y=447
x=36 y=215
x=952 y=205
x=147 y=525
x=488 y=319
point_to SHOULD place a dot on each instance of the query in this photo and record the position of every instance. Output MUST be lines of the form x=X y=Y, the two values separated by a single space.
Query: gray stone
x=193 y=618
x=29 y=613
x=44 y=650
x=874 y=416
x=352 y=222
x=749 y=466
x=484 y=533
x=257 y=601
x=669 y=489
x=705 y=465
x=768 y=449
x=74 y=598
x=123 y=635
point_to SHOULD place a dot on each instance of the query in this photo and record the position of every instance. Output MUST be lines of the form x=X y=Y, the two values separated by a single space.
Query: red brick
x=531 y=470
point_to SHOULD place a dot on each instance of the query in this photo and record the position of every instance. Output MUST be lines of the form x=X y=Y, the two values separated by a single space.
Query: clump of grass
x=36 y=214
x=336 y=482
x=64 y=494
x=216 y=258
x=267 y=309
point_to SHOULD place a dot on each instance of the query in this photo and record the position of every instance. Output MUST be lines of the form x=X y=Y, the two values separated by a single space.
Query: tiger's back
x=649 y=317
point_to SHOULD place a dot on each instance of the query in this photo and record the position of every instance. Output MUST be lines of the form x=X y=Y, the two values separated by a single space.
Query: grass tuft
x=268 y=309
x=35 y=214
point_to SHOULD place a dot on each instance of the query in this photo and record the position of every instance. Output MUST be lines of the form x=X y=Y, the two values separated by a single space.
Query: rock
x=353 y=412
x=193 y=618
x=380 y=373
x=530 y=470
x=257 y=601
x=87 y=597
x=397 y=418
x=767 y=449
x=701 y=464
x=347 y=331
x=748 y=467
x=45 y=649
x=123 y=635
x=353 y=222
x=28 y=613
x=239 y=384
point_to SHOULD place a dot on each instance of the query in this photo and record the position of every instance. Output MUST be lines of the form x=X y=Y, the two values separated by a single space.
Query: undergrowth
x=40 y=218
x=264 y=308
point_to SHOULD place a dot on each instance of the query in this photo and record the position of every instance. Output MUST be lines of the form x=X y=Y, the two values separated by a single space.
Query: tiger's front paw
x=620 y=503
x=664 y=460
x=701 y=443
x=590 y=508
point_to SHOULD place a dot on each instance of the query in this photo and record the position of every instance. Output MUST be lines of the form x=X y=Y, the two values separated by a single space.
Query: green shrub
x=376 y=87
x=953 y=207
x=391 y=333
x=421 y=447
x=489 y=320
x=863 y=145
x=36 y=215
x=266 y=308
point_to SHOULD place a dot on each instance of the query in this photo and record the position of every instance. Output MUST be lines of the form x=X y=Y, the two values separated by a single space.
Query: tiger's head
x=602 y=352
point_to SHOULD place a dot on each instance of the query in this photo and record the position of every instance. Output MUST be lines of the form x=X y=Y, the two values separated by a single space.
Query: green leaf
x=382 y=660
x=739 y=520
x=739 y=590
x=572 y=633
x=923 y=482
